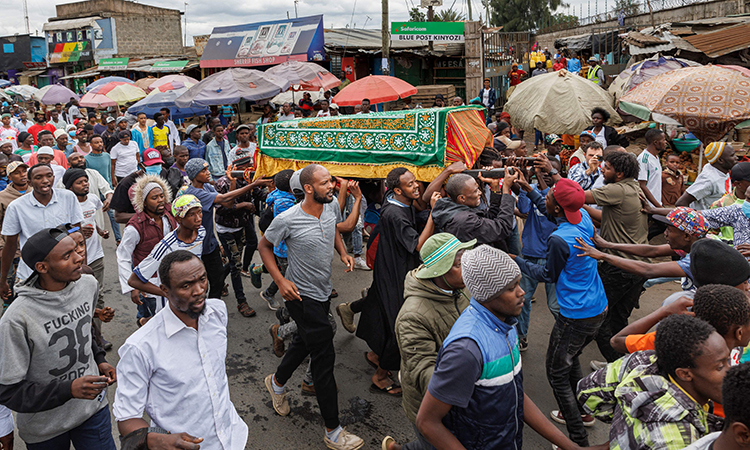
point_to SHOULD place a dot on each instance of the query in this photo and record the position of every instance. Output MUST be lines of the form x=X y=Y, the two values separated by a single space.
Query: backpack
x=265 y=219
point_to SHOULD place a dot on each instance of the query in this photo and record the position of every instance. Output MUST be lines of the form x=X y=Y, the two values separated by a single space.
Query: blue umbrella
x=105 y=80
x=4 y=83
x=156 y=100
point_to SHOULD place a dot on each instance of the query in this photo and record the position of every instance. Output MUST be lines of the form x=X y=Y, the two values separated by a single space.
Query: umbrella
x=558 y=102
x=24 y=91
x=111 y=94
x=708 y=100
x=377 y=88
x=54 y=93
x=229 y=86
x=4 y=83
x=642 y=71
x=157 y=100
x=144 y=83
x=105 y=80
x=172 y=85
x=309 y=76
x=5 y=97
x=289 y=95
x=184 y=79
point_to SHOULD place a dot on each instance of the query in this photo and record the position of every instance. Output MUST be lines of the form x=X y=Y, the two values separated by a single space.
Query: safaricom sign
x=428 y=31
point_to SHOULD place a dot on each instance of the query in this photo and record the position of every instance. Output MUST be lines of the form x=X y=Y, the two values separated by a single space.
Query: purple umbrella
x=229 y=86
x=54 y=93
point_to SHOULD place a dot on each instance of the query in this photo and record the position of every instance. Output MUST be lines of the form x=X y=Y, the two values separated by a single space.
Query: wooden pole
x=386 y=34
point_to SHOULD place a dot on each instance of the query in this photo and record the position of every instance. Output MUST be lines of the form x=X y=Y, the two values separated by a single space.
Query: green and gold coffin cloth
x=370 y=145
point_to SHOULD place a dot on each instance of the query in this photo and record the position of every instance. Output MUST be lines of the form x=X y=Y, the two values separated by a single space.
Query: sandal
x=386 y=390
x=334 y=294
x=245 y=310
x=375 y=366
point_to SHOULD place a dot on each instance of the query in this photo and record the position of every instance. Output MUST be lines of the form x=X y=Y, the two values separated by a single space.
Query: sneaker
x=523 y=344
x=347 y=441
x=280 y=403
x=387 y=441
x=347 y=317
x=255 y=277
x=588 y=419
x=596 y=365
x=278 y=343
x=308 y=389
x=273 y=304
x=360 y=263
x=363 y=292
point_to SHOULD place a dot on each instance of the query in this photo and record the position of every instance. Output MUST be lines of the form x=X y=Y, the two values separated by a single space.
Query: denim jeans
x=93 y=434
x=233 y=244
x=115 y=225
x=529 y=286
x=566 y=342
x=513 y=241
x=623 y=290
x=315 y=338
x=357 y=231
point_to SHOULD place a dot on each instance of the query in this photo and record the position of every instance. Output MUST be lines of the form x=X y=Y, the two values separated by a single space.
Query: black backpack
x=265 y=218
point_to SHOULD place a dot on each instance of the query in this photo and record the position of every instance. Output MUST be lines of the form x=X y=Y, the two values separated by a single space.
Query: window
x=336 y=65
x=8 y=48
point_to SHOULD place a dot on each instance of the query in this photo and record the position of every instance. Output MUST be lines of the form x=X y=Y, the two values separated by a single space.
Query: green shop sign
x=428 y=31
x=169 y=66
x=113 y=63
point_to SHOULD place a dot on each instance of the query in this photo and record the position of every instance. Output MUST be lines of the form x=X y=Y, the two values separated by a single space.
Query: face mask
x=746 y=208
x=72 y=134
x=153 y=170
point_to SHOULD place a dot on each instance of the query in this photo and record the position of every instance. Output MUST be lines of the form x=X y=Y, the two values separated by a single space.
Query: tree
x=629 y=7
x=448 y=15
x=415 y=15
x=522 y=15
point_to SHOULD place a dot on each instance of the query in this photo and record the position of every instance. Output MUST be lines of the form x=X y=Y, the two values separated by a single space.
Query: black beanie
x=71 y=175
x=714 y=262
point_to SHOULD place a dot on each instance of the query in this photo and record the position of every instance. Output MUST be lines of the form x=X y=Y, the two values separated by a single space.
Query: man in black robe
x=398 y=248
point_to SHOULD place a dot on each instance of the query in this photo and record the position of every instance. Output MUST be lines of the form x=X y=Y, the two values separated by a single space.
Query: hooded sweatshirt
x=423 y=323
x=646 y=410
x=491 y=226
x=45 y=344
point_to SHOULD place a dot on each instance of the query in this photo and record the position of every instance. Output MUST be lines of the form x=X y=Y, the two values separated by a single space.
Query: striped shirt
x=148 y=269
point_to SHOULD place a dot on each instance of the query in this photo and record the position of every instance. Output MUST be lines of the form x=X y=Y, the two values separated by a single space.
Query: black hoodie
x=490 y=226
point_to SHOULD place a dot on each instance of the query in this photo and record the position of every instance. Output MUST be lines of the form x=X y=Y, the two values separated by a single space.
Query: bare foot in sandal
x=381 y=383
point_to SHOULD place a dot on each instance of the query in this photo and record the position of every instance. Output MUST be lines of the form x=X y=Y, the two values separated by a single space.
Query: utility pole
x=469 y=3
x=184 y=39
x=430 y=18
x=26 y=15
x=386 y=32
x=487 y=7
x=295 y=8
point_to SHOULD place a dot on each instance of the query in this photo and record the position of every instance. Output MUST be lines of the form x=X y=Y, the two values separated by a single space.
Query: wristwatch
x=553 y=172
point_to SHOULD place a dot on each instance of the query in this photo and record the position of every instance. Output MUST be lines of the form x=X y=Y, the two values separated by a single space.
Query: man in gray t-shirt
x=309 y=230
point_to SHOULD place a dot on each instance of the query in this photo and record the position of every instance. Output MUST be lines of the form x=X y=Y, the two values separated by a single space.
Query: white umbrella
x=23 y=90
x=291 y=97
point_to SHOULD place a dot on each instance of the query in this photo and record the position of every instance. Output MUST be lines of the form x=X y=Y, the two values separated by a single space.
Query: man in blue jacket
x=475 y=398
x=580 y=294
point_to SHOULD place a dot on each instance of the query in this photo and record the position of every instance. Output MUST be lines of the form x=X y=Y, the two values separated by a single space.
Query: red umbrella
x=376 y=88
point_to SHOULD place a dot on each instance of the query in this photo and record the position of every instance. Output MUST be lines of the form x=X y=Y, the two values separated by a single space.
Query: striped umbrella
x=111 y=94
x=105 y=80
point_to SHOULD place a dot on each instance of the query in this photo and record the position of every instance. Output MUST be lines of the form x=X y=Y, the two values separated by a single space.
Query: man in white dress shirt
x=173 y=369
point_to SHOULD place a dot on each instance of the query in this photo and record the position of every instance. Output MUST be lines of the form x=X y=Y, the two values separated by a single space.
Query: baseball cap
x=740 y=172
x=685 y=219
x=593 y=58
x=588 y=133
x=295 y=184
x=152 y=156
x=121 y=119
x=244 y=126
x=512 y=145
x=15 y=165
x=569 y=195
x=439 y=254
x=38 y=246
x=552 y=139
x=190 y=129
x=109 y=120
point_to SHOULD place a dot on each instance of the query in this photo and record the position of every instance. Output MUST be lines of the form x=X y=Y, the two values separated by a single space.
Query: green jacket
x=424 y=321
x=646 y=410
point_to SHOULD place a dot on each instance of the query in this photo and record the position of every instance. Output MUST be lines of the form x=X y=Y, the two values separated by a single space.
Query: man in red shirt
x=515 y=74
x=41 y=124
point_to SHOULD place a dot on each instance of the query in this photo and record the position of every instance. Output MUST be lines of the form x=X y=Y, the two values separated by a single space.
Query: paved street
x=371 y=416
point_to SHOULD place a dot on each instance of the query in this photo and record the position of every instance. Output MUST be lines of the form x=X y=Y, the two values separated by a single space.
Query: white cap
x=46 y=150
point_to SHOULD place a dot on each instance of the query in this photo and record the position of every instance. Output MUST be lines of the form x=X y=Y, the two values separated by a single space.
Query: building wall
x=695 y=11
x=139 y=35
x=14 y=50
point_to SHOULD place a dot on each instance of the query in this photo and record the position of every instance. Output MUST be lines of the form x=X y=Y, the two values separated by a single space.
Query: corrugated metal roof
x=370 y=41
x=71 y=24
x=714 y=21
x=634 y=37
x=721 y=42
x=681 y=31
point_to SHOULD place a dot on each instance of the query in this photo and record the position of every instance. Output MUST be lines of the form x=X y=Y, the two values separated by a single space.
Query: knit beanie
x=194 y=167
x=714 y=262
x=71 y=175
x=487 y=271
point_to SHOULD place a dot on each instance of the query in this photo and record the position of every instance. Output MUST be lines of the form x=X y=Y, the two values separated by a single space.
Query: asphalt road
x=371 y=416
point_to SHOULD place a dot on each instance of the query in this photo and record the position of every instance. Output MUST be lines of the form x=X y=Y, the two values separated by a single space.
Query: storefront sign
x=169 y=66
x=265 y=44
x=428 y=31
x=113 y=64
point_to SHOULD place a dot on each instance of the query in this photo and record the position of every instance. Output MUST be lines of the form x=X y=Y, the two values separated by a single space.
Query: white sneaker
x=596 y=365
x=347 y=441
x=360 y=263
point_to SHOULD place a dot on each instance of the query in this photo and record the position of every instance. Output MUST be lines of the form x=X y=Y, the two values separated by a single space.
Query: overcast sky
x=203 y=15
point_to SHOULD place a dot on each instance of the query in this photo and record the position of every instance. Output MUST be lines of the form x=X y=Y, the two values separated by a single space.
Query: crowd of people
x=455 y=263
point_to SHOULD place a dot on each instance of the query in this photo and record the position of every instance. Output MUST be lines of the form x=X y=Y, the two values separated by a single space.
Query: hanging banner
x=428 y=31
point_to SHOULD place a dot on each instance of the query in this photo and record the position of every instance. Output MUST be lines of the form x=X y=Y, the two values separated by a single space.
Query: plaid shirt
x=645 y=409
